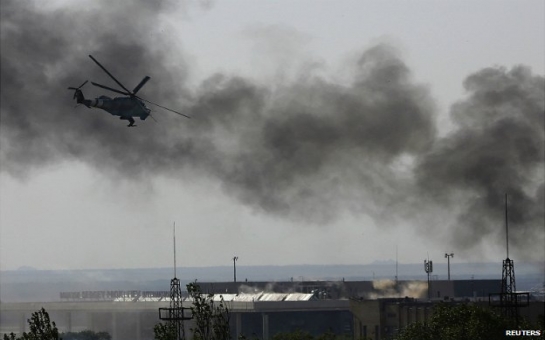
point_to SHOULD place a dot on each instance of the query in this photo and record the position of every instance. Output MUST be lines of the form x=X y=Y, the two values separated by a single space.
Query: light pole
x=448 y=256
x=235 y=267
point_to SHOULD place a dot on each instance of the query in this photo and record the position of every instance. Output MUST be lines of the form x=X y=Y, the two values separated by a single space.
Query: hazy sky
x=324 y=132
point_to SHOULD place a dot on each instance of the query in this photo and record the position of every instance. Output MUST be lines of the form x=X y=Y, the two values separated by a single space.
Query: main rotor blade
x=74 y=88
x=108 y=73
x=113 y=90
x=139 y=86
x=166 y=108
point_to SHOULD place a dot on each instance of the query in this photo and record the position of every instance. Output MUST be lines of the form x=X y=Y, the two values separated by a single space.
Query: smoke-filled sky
x=321 y=132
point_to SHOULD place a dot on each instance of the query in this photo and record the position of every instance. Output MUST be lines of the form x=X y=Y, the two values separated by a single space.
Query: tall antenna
x=174 y=238
x=509 y=300
x=174 y=315
x=506 y=227
x=396 y=263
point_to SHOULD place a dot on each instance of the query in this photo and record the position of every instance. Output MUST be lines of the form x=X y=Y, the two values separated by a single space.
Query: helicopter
x=127 y=108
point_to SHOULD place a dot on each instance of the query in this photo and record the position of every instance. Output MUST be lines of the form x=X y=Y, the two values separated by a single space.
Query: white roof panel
x=273 y=297
x=248 y=297
x=299 y=297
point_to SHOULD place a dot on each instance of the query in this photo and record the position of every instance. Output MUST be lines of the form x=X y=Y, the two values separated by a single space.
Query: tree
x=210 y=318
x=463 y=321
x=164 y=331
x=41 y=328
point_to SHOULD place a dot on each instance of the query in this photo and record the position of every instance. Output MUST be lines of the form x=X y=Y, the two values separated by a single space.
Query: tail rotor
x=78 y=94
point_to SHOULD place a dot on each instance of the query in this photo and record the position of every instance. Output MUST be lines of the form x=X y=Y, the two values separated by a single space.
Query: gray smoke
x=309 y=150
x=392 y=289
x=497 y=149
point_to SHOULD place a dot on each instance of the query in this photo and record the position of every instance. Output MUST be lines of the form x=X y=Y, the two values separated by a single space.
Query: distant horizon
x=374 y=263
x=45 y=285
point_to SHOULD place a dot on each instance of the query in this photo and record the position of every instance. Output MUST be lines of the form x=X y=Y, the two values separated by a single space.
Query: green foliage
x=165 y=331
x=41 y=328
x=417 y=331
x=211 y=319
x=86 y=335
x=464 y=321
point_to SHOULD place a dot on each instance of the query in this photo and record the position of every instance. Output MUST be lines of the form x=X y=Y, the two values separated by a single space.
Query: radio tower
x=508 y=297
x=175 y=314
x=509 y=300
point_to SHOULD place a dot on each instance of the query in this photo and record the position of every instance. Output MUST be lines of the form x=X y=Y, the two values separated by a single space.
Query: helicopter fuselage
x=124 y=107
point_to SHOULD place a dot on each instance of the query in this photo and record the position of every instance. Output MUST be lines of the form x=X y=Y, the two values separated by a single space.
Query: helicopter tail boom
x=80 y=99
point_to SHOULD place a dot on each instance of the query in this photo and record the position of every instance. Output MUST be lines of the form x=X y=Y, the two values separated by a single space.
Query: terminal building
x=356 y=309
x=258 y=315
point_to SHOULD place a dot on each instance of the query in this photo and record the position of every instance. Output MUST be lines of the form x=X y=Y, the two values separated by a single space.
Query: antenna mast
x=396 y=263
x=174 y=315
x=174 y=238
x=509 y=300
x=506 y=228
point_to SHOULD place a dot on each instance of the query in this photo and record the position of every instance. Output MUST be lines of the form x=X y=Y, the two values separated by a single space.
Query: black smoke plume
x=497 y=149
x=308 y=150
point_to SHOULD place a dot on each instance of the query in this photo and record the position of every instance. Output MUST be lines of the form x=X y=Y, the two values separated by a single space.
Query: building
x=372 y=309
x=259 y=315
